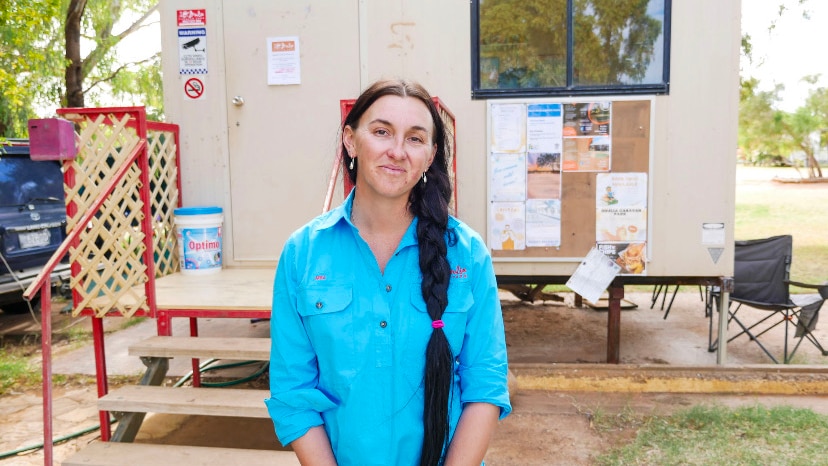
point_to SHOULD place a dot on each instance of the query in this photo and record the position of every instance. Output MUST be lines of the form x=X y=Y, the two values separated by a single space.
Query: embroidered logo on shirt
x=320 y=277
x=458 y=272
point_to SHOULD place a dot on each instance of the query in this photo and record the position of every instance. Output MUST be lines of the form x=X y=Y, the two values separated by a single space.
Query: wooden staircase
x=198 y=401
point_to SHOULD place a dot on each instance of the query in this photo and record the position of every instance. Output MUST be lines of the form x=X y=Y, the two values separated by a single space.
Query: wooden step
x=244 y=349
x=144 y=454
x=186 y=400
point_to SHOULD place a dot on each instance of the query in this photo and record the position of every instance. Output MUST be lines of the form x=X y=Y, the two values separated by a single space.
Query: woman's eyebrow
x=388 y=123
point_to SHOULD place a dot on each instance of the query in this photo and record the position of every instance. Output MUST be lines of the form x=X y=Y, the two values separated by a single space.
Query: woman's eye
x=381 y=132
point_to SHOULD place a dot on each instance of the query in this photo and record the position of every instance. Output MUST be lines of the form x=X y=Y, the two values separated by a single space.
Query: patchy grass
x=766 y=208
x=704 y=435
x=16 y=371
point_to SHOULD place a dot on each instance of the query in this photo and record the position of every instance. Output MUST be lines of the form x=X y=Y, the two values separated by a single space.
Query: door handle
x=238 y=101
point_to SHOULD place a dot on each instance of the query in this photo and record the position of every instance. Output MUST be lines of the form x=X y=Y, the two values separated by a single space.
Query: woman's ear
x=348 y=140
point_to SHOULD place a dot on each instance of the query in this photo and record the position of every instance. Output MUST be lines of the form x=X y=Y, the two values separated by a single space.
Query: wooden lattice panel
x=109 y=252
x=108 y=258
x=164 y=198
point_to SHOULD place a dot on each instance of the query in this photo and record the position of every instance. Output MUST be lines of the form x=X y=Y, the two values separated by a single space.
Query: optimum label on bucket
x=198 y=230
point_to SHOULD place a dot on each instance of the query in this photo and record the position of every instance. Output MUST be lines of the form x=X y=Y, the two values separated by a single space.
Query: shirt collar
x=342 y=213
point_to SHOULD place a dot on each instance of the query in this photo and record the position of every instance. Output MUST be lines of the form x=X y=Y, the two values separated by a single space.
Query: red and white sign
x=188 y=18
x=194 y=88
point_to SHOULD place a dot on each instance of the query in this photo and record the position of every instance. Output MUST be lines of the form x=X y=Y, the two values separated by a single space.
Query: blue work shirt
x=348 y=342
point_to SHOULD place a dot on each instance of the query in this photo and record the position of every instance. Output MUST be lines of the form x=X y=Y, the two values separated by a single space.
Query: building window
x=534 y=48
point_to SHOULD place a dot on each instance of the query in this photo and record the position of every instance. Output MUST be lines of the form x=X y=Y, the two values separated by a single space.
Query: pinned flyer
x=593 y=275
x=283 y=66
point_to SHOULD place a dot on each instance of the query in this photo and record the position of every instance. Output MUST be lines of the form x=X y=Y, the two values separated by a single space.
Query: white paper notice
x=508 y=128
x=283 y=61
x=508 y=177
x=593 y=275
x=543 y=222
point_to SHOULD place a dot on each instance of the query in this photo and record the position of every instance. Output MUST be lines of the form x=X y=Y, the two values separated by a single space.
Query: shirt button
x=319 y=304
x=388 y=288
x=383 y=324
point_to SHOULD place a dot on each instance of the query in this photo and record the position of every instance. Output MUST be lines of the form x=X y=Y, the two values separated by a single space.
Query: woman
x=387 y=335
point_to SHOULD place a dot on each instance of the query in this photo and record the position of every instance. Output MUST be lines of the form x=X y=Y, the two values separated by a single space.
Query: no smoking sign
x=194 y=88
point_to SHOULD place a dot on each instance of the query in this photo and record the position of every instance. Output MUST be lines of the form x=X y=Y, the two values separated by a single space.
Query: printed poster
x=631 y=257
x=586 y=137
x=508 y=181
x=543 y=177
x=508 y=226
x=543 y=222
x=544 y=128
x=621 y=219
x=283 y=66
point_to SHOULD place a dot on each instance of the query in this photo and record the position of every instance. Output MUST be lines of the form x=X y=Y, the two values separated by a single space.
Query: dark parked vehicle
x=32 y=222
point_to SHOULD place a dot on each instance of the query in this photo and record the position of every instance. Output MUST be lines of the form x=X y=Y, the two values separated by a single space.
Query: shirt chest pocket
x=328 y=317
x=460 y=301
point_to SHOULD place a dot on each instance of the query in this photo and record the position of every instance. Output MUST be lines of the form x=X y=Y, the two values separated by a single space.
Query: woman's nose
x=397 y=148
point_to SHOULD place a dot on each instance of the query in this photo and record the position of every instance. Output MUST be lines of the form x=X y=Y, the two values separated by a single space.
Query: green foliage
x=33 y=63
x=28 y=30
x=768 y=135
x=750 y=435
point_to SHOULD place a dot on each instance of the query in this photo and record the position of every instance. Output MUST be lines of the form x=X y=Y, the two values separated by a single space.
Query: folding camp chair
x=761 y=281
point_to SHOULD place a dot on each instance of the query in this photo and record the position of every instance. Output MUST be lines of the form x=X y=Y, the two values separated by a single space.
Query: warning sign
x=192 y=51
x=194 y=88
x=191 y=17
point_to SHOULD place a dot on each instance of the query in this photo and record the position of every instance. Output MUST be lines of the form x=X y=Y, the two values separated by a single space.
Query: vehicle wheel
x=22 y=307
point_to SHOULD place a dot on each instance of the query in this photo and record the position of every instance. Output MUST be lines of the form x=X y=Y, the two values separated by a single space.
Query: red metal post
x=46 y=348
x=100 y=369
x=196 y=362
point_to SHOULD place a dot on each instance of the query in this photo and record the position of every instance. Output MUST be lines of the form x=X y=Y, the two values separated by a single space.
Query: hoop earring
x=351 y=166
x=425 y=180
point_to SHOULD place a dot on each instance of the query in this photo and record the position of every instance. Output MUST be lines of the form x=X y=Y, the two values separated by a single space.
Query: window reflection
x=615 y=43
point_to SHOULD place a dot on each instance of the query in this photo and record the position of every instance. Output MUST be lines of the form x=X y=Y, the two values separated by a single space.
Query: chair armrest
x=821 y=289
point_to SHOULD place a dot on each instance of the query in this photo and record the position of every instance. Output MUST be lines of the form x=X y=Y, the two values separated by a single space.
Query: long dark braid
x=428 y=201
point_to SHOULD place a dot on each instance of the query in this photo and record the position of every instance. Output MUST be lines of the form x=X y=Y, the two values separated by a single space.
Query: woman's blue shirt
x=348 y=342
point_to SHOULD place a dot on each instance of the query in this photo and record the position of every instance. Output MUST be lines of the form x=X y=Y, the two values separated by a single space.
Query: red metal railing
x=120 y=128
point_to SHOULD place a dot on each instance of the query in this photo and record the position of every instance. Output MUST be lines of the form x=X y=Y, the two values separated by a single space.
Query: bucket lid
x=206 y=210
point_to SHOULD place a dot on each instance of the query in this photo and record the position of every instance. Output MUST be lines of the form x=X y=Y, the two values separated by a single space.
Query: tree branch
x=112 y=75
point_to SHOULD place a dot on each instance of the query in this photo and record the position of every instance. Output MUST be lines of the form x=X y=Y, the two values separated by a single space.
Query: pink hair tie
x=437 y=324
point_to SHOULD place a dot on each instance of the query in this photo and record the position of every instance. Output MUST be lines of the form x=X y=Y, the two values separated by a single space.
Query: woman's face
x=393 y=144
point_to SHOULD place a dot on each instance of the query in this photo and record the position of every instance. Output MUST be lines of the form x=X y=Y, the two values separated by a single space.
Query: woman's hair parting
x=429 y=201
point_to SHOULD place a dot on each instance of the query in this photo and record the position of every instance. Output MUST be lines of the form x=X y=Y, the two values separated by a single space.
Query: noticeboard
x=567 y=176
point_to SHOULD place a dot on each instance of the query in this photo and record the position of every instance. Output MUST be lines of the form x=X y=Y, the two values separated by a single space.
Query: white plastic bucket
x=198 y=230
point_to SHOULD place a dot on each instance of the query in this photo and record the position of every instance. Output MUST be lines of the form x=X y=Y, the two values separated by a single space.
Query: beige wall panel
x=203 y=122
x=267 y=162
x=429 y=41
x=283 y=138
x=694 y=164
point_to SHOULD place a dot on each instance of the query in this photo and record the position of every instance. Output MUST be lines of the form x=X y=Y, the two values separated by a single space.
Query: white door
x=282 y=138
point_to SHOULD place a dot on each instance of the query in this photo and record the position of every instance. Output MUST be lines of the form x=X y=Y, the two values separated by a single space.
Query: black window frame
x=570 y=90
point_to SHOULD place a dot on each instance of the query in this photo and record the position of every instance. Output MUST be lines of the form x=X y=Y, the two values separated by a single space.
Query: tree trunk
x=814 y=170
x=74 y=73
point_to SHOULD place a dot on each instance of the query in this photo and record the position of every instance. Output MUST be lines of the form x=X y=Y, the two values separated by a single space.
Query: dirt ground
x=549 y=425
